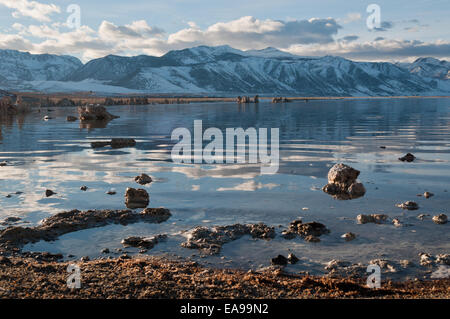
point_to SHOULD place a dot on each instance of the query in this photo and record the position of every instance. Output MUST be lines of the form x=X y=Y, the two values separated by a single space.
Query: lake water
x=56 y=154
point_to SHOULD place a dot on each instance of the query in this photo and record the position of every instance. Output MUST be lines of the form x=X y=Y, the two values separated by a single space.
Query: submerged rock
x=409 y=205
x=122 y=142
x=211 y=240
x=71 y=118
x=372 y=218
x=143 y=179
x=397 y=222
x=309 y=231
x=280 y=260
x=422 y=216
x=115 y=143
x=349 y=236
x=142 y=242
x=83 y=188
x=10 y=220
x=342 y=182
x=62 y=223
x=440 y=219
x=136 y=198
x=408 y=158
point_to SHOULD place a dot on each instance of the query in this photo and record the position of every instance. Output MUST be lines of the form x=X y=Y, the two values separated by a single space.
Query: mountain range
x=223 y=70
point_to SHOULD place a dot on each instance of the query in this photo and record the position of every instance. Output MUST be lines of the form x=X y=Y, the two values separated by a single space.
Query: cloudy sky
x=407 y=29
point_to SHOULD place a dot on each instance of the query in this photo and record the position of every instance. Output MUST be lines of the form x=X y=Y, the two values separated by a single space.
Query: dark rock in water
x=143 y=179
x=85 y=258
x=94 y=113
x=349 y=236
x=115 y=143
x=136 y=198
x=105 y=251
x=100 y=144
x=53 y=227
x=111 y=192
x=292 y=259
x=309 y=231
x=83 y=188
x=71 y=118
x=409 y=205
x=342 y=183
x=408 y=158
x=280 y=260
x=3 y=163
x=49 y=193
x=122 y=142
x=210 y=241
x=440 y=219
x=312 y=239
x=373 y=218
x=428 y=194
x=141 y=242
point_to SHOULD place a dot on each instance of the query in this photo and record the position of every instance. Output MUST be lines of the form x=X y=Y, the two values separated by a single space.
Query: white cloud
x=377 y=50
x=313 y=37
x=351 y=17
x=31 y=9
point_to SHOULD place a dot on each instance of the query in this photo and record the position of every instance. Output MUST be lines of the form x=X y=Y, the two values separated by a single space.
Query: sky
x=395 y=30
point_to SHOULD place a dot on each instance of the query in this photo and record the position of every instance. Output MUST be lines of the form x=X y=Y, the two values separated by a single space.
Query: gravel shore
x=152 y=277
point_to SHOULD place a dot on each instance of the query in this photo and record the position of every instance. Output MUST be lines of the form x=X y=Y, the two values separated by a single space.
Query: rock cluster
x=94 y=113
x=372 y=218
x=308 y=231
x=342 y=182
x=210 y=241
x=280 y=100
x=62 y=223
x=247 y=99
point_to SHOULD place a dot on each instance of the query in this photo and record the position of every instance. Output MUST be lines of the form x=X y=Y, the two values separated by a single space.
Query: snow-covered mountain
x=23 y=66
x=429 y=67
x=224 y=70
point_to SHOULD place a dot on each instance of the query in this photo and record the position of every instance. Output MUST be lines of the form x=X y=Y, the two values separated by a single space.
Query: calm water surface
x=56 y=154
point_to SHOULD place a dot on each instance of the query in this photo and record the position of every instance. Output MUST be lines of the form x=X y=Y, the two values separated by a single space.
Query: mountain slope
x=224 y=70
x=23 y=66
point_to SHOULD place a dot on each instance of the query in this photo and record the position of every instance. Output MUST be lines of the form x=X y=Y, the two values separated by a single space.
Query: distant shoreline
x=82 y=98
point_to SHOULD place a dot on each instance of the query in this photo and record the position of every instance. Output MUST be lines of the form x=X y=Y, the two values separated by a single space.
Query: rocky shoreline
x=152 y=277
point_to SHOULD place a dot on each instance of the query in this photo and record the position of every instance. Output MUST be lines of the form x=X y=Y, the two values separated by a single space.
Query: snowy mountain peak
x=226 y=71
